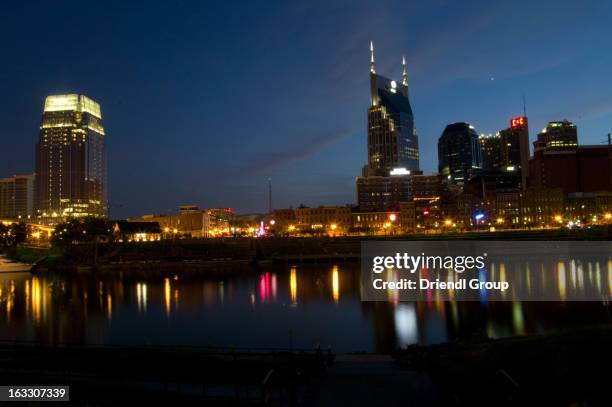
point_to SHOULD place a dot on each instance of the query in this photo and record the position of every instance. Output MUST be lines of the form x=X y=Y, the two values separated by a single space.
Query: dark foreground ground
x=564 y=369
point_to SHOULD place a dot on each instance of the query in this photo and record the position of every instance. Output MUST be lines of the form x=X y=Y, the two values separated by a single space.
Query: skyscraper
x=71 y=159
x=16 y=197
x=491 y=151
x=515 y=148
x=557 y=135
x=459 y=153
x=392 y=139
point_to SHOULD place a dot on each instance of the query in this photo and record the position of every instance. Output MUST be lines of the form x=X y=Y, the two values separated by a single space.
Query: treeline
x=13 y=235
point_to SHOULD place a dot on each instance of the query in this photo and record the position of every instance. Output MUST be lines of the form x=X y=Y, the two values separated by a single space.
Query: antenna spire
x=270 y=208
x=372 y=69
x=404 y=74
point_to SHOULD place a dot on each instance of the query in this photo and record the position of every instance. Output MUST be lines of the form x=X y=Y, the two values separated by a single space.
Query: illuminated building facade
x=459 y=153
x=383 y=193
x=71 y=159
x=284 y=219
x=17 y=197
x=379 y=222
x=393 y=145
x=392 y=138
x=557 y=135
x=491 y=151
x=130 y=231
x=193 y=221
x=515 y=148
x=332 y=218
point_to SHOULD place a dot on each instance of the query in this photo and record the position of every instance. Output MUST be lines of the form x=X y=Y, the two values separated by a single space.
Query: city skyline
x=315 y=151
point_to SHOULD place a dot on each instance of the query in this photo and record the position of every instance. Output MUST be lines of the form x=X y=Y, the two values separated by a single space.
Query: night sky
x=203 y=101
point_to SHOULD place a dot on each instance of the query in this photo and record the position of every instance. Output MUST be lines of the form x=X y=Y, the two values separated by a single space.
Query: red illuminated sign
x=518 y=121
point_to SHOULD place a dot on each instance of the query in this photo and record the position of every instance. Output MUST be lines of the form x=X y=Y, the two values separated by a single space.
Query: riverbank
x=206 y=254
x=114 y=375
x=11 y=266
x=563 y=368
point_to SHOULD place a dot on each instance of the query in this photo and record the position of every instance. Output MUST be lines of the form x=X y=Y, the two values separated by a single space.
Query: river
x=274 y=307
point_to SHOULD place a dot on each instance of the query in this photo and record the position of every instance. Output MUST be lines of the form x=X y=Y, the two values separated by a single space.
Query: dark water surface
x=277 y=306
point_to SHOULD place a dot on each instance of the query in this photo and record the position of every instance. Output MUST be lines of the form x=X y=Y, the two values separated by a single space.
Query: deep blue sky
x=203 y=101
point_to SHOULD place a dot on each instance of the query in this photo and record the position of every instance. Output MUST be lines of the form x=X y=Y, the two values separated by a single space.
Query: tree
x=3 y=234
x=13 y=234
x=89 y=229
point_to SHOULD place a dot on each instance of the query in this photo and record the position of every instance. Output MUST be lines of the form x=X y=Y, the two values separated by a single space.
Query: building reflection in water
x=561 y=279
x=264 y=287
x=52 y=308
x=293 y=285
x=610 y=276
x=37 y=300
x=109 y=306
x=517 y=318
x=335 y=284
x=167 y=297
x=406 y=325
x=141 y=297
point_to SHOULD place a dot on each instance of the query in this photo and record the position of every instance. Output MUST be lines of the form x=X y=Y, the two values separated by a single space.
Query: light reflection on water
x=318 y=304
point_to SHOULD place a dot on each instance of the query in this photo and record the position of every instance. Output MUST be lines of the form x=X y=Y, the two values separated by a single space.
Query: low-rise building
x=129 y=231
x=333 y=218
x=195 y=222
x=377 y=222
x=284 y=219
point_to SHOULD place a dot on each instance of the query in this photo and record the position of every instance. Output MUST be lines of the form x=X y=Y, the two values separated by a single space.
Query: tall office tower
x=459 y=153
x=17 y=197
x=558 y=135
x=392 y=138
x=515 y=148
x=71 y=159
x=491 y=151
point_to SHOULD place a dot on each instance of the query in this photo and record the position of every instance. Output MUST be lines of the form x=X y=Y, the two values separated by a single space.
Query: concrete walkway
x=369 y=380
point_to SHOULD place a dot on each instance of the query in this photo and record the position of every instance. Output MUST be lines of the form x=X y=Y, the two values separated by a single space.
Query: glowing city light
x=399 y=171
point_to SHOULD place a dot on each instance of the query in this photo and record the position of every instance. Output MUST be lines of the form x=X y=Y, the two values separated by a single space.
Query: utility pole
x=610 y=158
x=270 y=195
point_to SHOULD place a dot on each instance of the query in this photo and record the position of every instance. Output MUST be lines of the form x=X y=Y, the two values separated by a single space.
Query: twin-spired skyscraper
x=393 y=143
x=71 y=159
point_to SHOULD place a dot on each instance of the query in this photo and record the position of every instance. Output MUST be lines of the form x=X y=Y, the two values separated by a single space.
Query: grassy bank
x=31 y=255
